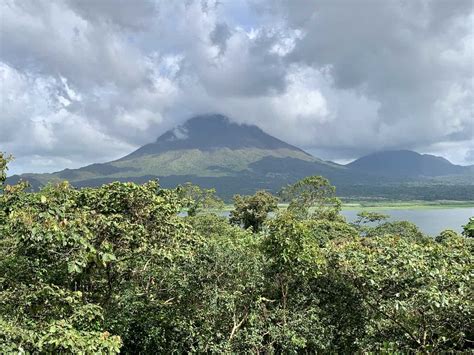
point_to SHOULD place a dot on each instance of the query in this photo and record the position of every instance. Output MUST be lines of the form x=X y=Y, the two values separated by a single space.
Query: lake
x=430 y=220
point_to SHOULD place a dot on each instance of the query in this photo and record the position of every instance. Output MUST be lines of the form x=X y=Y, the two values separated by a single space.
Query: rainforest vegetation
x=121 y=268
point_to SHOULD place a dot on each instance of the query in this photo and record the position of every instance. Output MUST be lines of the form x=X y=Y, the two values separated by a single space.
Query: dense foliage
x=252 y=211
x=468 y=229
x=117 y=268
x=195 y=198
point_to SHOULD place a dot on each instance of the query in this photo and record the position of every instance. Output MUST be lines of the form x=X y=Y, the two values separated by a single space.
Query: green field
x=387 y=205
x=409 y=205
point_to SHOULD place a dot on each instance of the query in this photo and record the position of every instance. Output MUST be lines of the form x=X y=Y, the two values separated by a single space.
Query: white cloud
x=86 y=81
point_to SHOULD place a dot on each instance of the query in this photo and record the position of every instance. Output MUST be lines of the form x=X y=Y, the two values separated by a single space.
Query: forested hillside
x=118 y=268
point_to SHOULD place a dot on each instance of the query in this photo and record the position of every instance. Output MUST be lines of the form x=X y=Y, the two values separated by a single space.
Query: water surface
x=430 y=220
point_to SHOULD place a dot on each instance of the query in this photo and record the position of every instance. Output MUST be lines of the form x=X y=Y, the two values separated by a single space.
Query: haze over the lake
x=90 y=81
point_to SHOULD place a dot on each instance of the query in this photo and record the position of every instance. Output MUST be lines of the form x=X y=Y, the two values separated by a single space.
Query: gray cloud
x=87 y=81
x=220 y=35
x=414 y=58
x=135 y=15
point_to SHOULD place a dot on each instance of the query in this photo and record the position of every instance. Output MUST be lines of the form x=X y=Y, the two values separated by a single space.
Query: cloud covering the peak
x=86 y=81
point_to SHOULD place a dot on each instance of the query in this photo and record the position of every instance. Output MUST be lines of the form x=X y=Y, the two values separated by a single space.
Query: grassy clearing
x=408 y=205
x=386 y=205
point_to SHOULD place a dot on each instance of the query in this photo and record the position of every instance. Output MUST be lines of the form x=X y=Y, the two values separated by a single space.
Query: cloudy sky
x=86 y=81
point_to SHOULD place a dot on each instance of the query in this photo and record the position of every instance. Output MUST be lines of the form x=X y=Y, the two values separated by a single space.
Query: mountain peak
x=214 y=119
x=405 y=163
x=207 y=122
x=211 y=125
x=212 y=131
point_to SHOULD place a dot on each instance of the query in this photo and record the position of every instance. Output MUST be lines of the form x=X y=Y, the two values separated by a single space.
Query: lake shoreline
x=385 y=205
x=367 y=205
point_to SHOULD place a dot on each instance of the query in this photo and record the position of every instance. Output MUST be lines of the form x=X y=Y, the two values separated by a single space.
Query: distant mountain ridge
x=406 y=163
x=213 y=151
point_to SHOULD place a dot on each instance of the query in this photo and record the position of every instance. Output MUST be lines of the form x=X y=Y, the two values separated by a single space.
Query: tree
x=295 y=260
x=468 y=229
x=312 y=197
x=447 y=236
x=226 y=312
x=365 y=218
x=116 y=268
x=44 y=307
x=417 y=292
x=252 y=211
x=313 y=310
x=196 y=198
x=73 y=262
x=403 y=229
x=4 y=160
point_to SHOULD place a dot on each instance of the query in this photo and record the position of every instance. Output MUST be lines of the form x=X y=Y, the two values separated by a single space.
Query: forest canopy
x=120 y=269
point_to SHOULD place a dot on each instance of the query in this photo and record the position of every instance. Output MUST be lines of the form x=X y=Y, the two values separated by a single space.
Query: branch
x=237 y=326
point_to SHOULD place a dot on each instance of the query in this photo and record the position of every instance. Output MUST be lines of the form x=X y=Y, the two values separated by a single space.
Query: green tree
x=468 y=229
x=252 y=211
x=365 y=218
x=447 y=236
x=41 y=307
x=4 y=160
x=312 y=197
x=399 y=228
x=78 y=259
x=314 y=309
x=295 y=260
x=116 y=268
x=196 y=198
x=417 y=293
x=222 y=303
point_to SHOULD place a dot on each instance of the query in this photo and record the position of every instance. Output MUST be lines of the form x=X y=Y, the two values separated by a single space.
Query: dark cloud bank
x=87 y=81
